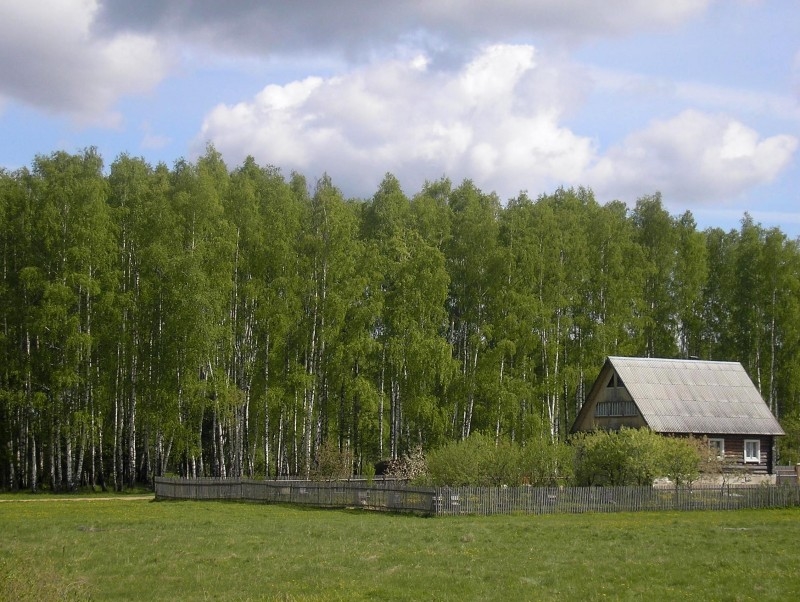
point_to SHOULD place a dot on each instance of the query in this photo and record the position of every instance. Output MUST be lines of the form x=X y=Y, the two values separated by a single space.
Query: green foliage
x=789 y=446
x=206 y=321
x=332 y=463
x=475 y=461
x=546 y=463
x=481 y=461
x=682 y=459
x=368 y=472
x=634 y=457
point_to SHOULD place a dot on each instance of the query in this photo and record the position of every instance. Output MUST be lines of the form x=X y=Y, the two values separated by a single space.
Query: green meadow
x=55 y=548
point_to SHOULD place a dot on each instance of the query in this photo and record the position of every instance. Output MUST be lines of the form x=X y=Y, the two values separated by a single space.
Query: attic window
x=615 y=381
x=615 y=408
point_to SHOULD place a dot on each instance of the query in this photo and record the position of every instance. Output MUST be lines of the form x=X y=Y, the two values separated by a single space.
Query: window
x=615 y=408
x=717 y=447
x=752 y=450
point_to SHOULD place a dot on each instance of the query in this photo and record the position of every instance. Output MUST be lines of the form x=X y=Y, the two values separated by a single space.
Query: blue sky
x=699 y=100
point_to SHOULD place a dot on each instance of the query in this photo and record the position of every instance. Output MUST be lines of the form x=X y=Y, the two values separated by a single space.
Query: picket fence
x=393 y=496
x=379 y=495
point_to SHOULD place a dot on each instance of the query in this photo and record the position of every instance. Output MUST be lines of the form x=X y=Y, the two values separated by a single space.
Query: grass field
x=133 y=549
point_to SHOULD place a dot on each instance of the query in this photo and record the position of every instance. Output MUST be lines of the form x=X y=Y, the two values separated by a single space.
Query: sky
x=696 y=99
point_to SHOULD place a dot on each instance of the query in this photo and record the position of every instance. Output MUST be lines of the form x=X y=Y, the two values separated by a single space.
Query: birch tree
x=473 y=258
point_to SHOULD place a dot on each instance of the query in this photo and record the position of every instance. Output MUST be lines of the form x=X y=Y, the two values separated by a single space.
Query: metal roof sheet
x=693 y=396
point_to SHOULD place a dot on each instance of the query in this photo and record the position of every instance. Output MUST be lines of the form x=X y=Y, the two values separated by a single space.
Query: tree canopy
x=203 y=320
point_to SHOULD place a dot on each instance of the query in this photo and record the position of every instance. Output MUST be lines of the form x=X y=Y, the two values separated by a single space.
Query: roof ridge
x=671 y=359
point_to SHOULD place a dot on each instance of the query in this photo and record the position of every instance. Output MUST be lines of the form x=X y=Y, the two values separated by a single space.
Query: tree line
x=201 y=320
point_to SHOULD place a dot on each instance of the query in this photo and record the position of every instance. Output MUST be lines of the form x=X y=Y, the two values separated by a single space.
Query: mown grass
x=137 y=550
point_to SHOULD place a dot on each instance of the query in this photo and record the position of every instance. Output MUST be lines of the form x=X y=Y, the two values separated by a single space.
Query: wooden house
x=716 y=400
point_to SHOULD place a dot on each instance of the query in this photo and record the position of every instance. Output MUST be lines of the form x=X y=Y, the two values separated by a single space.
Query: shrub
x=543 y=463
x=369 y=472
x=332 y=463
x=476 y=461
x=635 y=457
x=480 y=461
x=458 y=463
x=682 y=459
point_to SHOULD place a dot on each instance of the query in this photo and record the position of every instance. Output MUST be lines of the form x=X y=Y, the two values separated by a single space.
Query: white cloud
x=693 y=156
x=485 y=122
x=497 y=120
x=51 y=58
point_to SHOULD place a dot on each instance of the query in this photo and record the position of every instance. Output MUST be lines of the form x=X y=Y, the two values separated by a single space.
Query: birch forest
x=208 y=320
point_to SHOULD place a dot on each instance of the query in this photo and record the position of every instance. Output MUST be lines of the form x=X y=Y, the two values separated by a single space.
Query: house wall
x=734 y=453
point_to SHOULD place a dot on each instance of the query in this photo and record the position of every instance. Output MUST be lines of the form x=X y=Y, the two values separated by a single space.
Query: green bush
x=475 y=461
x=681 y=459
x=332 y=463
x=481 y=461
x=624 y=457
x=369 y=472
x=633 y=457
x=543 y=463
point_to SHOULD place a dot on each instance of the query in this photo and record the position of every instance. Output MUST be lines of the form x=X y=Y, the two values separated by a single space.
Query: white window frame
x=752 y=458
x=717 y=444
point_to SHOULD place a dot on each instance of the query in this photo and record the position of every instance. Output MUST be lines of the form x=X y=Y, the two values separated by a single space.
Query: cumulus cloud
x=498 y=120
x=693 y=156
x=51 y=58
x=484 y=121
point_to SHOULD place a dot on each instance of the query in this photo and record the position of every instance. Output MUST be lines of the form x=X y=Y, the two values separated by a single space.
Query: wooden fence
x=380 y=495
x=398 y=497
x=787 y=475
x=576 y=500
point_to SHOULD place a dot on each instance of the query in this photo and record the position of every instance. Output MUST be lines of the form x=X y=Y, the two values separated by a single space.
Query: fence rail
x=576 y=500
x=787 y=475
x=386 y=495
x=480 y=500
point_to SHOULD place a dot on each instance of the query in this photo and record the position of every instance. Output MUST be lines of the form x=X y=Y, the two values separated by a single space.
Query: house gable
x=609 y=405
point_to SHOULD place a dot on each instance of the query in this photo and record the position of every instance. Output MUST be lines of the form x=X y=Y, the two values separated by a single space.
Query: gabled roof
x=692 y=396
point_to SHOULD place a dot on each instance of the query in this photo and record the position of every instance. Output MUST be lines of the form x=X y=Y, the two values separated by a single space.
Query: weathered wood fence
x=380 y=495
x=480 y=500
x=576 y=500
x=787 y=475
